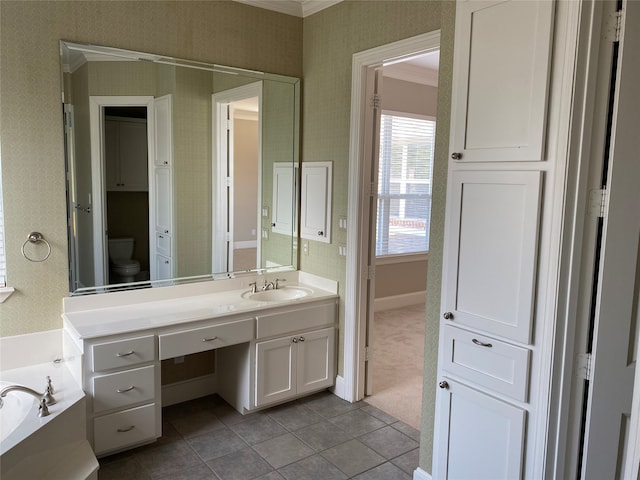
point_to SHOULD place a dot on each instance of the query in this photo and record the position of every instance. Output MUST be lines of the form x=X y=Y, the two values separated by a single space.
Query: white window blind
x=404 y=184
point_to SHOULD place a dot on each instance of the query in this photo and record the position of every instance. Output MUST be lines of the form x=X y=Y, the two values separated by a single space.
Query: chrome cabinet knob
x=447 y=316
x=294 y=340
x=456 y=156
x=301 y=339
x=320 y=233
x=444 y=385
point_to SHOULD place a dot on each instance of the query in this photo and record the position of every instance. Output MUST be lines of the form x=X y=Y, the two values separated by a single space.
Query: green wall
x=331 y=37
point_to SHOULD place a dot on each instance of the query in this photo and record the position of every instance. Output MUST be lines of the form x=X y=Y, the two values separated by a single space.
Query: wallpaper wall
x=214 y=31
x=331 y=37
x=33 y=171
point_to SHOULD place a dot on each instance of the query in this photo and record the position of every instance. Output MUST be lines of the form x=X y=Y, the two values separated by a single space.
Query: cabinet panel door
x=111 y=154
x=315 y=209
x=284 y=198
x=479 y=437
x=492 y=250
x=133 y=156
x=275 y=370
x=316 y=360
x=163 y=199
x=501 y=76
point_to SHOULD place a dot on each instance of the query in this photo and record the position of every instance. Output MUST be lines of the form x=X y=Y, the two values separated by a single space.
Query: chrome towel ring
x=36 y=237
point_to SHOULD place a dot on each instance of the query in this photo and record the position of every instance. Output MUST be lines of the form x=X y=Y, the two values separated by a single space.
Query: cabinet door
x=163 y=200
x=479 y=437
x=315 y=212
x=501 y=66
x=491 y=253
x=133 y=148
x=316 y=360
x=164 y=268
x=111 y=155
x=284 y=198
x=275 y=370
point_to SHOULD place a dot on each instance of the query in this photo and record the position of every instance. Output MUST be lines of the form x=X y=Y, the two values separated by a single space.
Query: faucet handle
x=278 y=280
x=49 y=387
x=43 y=410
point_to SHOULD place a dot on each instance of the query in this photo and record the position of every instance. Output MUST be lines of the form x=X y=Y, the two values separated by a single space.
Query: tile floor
x=319 y=437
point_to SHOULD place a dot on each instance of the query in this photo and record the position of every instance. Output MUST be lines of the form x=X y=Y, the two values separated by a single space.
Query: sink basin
x=279 y=295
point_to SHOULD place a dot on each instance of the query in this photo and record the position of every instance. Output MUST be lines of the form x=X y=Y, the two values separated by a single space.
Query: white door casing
x=356 y=296
x=222 y=168
x=96 y=108
x=615 y=336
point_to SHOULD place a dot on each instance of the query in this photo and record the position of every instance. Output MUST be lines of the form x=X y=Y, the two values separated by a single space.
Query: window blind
x=404 y=184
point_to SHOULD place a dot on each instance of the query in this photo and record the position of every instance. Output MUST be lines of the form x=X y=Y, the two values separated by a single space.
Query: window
x=404 y=184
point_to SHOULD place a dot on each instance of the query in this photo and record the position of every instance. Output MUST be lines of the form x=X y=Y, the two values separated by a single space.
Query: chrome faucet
x=268 y=286
x=45 y=398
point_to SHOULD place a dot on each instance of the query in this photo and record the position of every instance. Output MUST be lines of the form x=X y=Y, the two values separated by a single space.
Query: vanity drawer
x=121 y=429
x=121 y=389
x=292 y=321
x=485 y=361
x=206 y=338
x=123 y=353
x=163 y=244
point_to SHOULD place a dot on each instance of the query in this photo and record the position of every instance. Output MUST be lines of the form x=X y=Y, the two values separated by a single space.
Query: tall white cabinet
x=487 y=404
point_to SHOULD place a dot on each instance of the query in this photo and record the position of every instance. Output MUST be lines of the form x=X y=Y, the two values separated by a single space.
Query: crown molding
x=298 y=8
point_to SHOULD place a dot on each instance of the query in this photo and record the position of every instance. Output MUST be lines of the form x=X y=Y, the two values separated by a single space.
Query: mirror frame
x=130 y=55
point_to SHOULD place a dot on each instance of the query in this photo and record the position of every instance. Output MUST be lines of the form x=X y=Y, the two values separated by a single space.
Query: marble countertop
x=92 y=323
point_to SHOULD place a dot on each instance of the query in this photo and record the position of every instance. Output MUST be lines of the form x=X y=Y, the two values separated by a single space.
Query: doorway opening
x=237 y=164
x=127 y=190
x=363 y=269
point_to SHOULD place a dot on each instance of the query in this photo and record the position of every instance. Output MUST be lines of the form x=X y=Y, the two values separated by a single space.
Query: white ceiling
x=298 y=8
x=420 y=69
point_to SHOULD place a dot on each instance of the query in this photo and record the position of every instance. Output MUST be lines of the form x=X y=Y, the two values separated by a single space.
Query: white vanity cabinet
x=265 y=353
x=122 y=377
x=294 y=365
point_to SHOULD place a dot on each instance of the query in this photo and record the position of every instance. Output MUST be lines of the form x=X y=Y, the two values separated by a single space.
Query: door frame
x=221 y=207
x=96 y=124
x=351 y=386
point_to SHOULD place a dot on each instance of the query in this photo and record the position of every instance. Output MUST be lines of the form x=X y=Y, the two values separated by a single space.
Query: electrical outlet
x=305 y=247
x=342 y=250
x=265 y=233
x=342 y=223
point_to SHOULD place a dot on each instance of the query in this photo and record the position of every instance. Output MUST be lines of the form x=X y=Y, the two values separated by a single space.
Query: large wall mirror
x=176 y=170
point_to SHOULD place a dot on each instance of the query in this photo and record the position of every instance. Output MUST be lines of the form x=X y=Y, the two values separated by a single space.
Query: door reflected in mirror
x=171 y=168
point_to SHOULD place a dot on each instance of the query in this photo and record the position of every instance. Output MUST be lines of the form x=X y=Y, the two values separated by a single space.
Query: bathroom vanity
x=270 y=347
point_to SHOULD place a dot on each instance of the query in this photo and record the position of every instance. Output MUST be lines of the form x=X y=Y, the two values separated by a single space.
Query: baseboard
x=419 y=474
x=338 y=388
x=397 y=301
x=188 y=390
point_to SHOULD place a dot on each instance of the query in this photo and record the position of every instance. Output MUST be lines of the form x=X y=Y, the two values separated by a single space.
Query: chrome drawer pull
x=209 y=339
x=130 y=352
x=123 y=390
x=125 y=430
x=481 y=344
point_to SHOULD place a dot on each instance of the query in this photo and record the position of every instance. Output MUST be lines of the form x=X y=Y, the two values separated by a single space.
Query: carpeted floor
x=398 y=353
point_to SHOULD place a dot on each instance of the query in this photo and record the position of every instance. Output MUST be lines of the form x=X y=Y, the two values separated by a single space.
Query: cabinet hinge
x=371 y=190
x=229 y=181
x=375 y=101
x=371 y=272
x=583 y=366
x=598 y=200
x=367 y=354
x=227 y=237
x=613 y=26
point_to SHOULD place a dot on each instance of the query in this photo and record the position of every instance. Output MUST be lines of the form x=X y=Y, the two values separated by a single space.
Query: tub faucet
x=45 y=398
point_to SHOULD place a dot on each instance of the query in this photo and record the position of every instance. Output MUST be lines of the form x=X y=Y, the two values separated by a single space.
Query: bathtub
x=15 y=407
x=55 y=446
